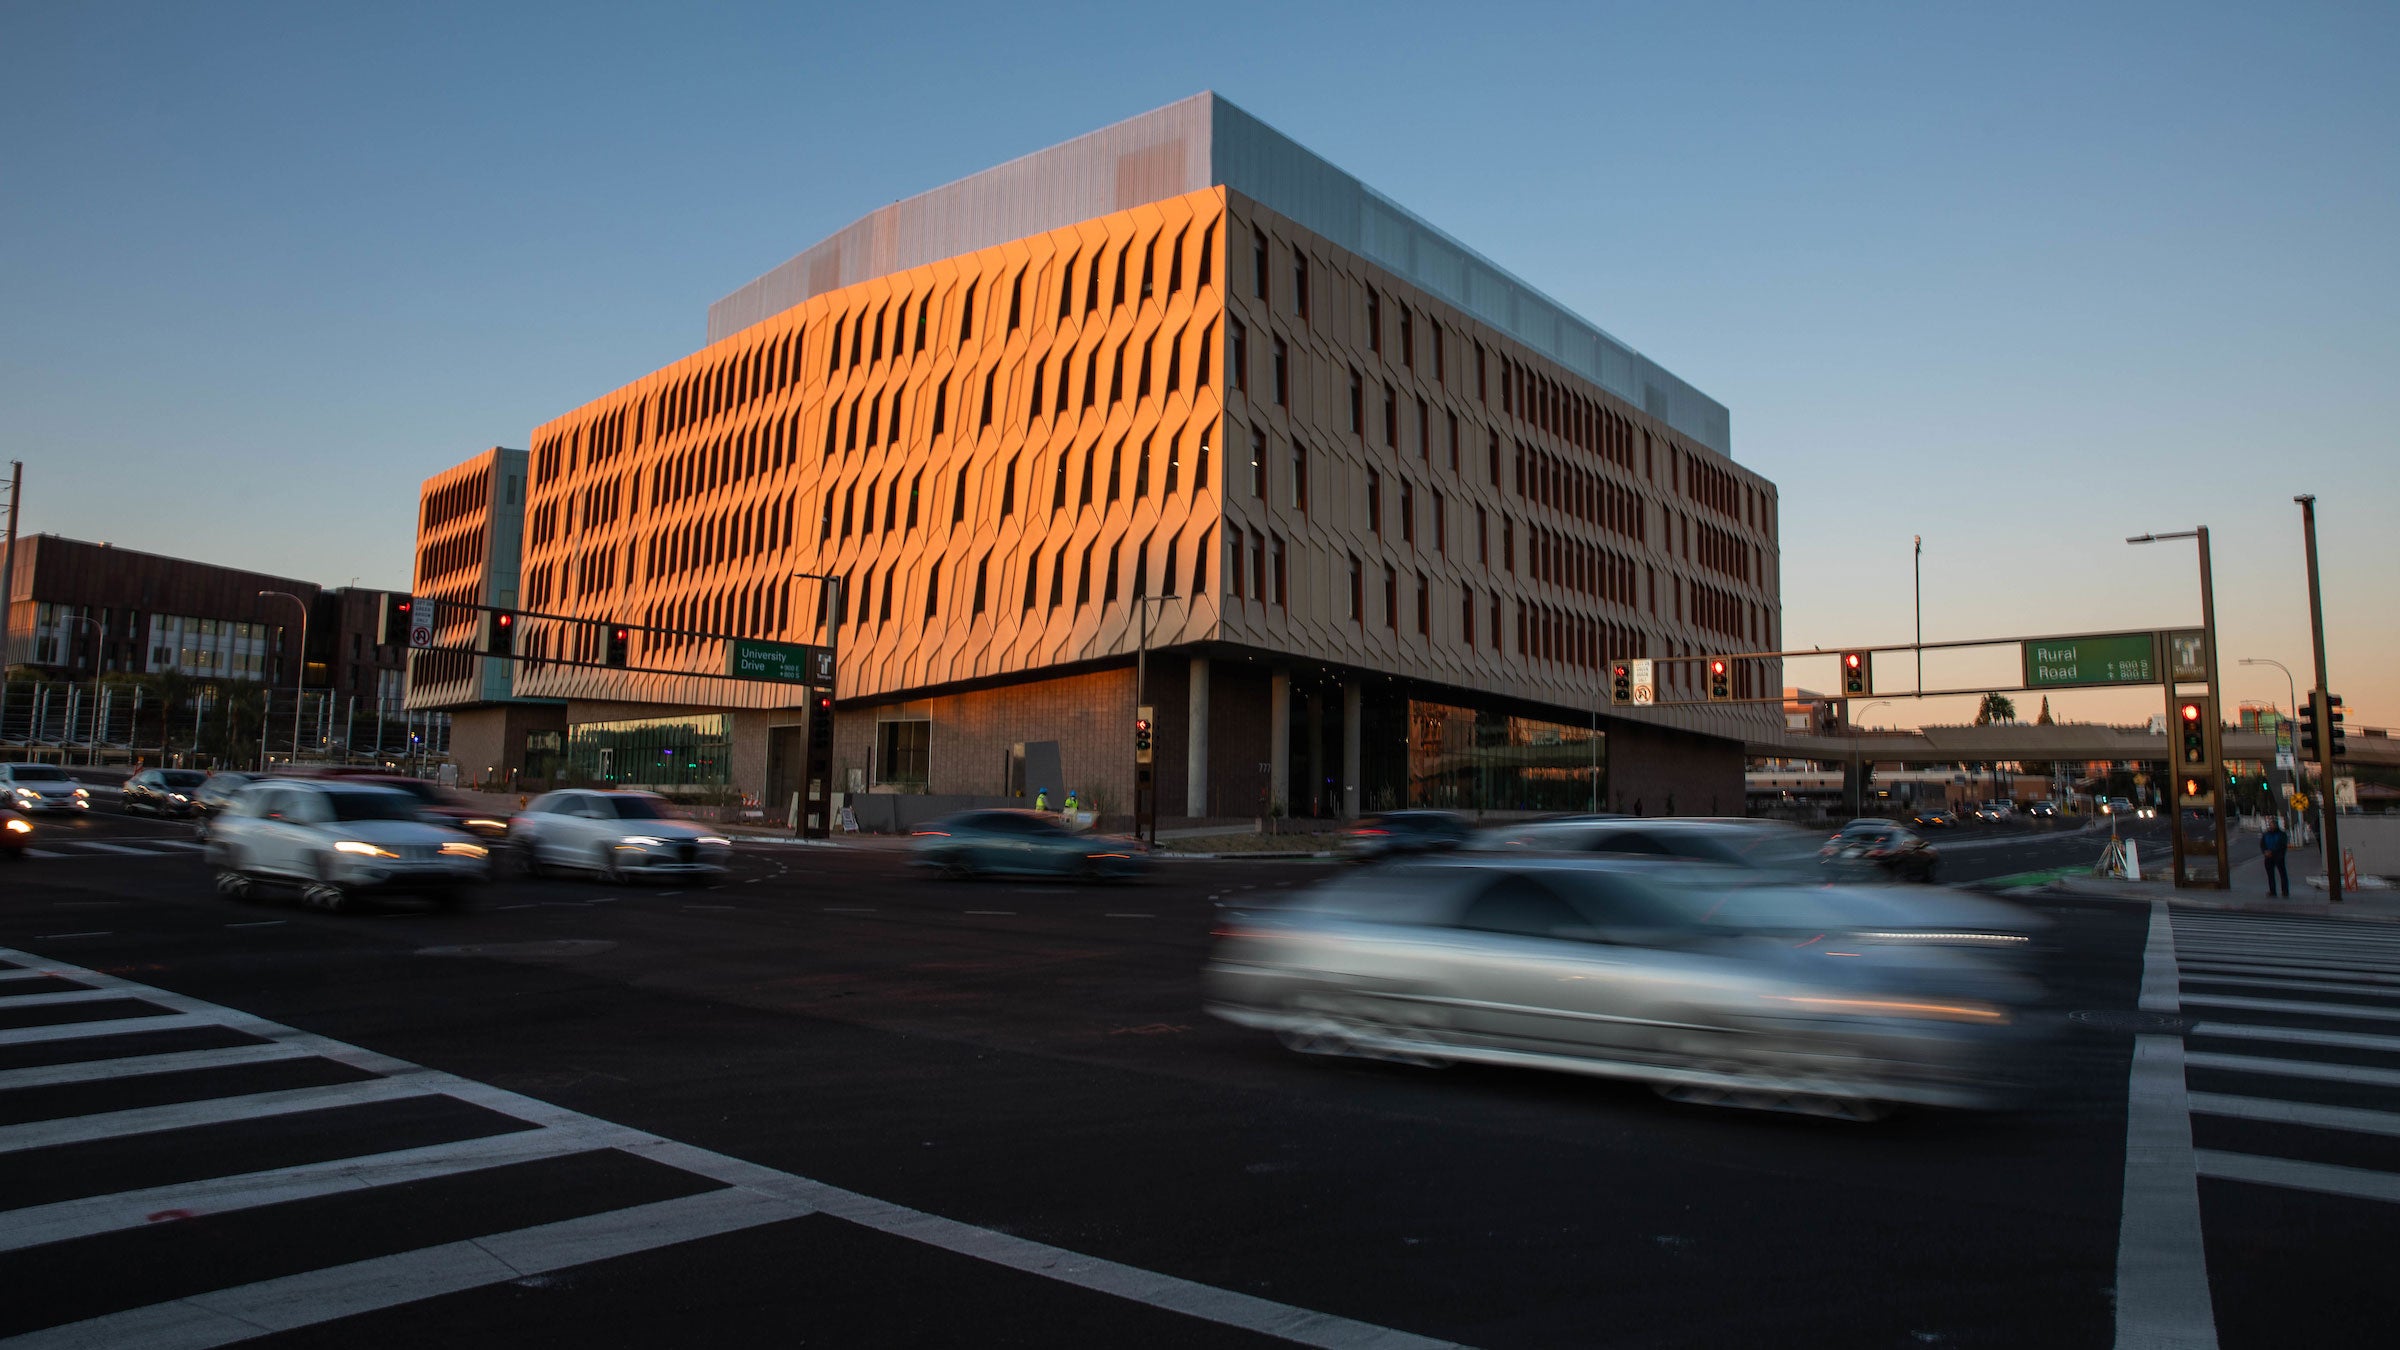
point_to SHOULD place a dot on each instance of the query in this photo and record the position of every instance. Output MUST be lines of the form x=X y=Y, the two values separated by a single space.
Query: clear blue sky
x=2023 y=279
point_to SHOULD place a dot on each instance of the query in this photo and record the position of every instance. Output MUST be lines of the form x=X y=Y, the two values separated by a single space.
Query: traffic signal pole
x=2324 y=705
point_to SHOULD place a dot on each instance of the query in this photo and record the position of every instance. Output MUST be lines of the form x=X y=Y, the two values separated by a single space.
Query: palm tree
x=1996 y=708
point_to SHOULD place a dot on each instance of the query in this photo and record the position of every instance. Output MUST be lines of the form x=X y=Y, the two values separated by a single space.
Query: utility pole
x=2323 y=702
x=8 y=582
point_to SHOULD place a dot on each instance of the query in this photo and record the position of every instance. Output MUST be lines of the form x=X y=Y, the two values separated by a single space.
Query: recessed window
x=903 y=753
x=1391 y=417
x=1066 y=287
x=1237 y=348
x=1282 y=596
x=1374 y=502
x=1208 y=246
x=933 y=589
x=1408 y=339
x=1391 y=597
x=1299 y=283
x=1258 y=463
x=1357 y=592
x=1258 y=259
x=983 y=568
x=1258 y=567
x=1374 y=321
x=1282 y=374
x=1408 y=512
x=1300 y=478
x=1358 y=406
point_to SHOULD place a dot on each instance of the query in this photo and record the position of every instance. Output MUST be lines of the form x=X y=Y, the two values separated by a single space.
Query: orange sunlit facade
x=1383 y=544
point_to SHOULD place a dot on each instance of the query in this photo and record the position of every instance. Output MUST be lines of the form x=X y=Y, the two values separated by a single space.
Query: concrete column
x=1195 y=747
x=1350 y=695
x=1310 y=799
x=1279 y=741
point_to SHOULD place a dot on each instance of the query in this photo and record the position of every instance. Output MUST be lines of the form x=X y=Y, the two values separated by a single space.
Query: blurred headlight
x=20 y=827
x=463 y=849
x=363 y=850
x=27 y=792
x=642 y=840
x=1940 y=935
x=83 y=792
x=714 y=839
x=488 y=824
x=177 y=796
x=1959 y=1011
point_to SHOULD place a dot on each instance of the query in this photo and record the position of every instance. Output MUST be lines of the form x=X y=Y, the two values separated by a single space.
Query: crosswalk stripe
x=134 y=1066
x=2356 y=1182
x=115 y=1026
x=245 y=1311
x=2297 y=951
x=213 y=1111
x=2211 y=971
x=7 y=975
x=2348 y=1040
x=2303 y=986
x=2357 y=1120
x=62 y=996
x=104 y=846
x=2294 y=1068
x=67 y=1219
x=2295 y=1007
x=2321 y=965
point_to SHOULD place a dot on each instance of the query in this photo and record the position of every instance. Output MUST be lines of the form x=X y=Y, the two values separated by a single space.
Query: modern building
x=1378 y=513
x=81 y=609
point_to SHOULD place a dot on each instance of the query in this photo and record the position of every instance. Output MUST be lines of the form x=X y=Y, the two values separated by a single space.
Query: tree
x=1996 y=708
x=2045 y=720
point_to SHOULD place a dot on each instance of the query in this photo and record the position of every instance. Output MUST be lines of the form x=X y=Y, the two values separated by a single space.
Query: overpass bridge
x=2071 y=742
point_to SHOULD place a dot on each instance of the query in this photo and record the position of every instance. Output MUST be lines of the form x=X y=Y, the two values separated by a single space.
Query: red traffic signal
x=620 y=645
x=1720 y=680
x=1857 y=675
x=2191 y=712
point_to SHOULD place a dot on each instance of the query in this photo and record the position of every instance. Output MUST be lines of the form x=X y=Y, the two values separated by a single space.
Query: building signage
x=2190 y=652
x=750 y=659
x=1645 y=683
x=2103 y=658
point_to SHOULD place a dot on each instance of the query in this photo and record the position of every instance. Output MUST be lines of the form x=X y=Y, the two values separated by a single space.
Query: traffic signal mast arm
x=521 y=626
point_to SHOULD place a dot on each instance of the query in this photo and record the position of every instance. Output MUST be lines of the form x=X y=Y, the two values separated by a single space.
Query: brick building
x=1386 y=512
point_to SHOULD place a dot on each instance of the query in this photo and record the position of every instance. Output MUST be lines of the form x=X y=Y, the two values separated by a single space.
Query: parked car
x=616 y=836
x=1391 y=833
x=33 y=788
x=335 y=841
x=1770 y=996
x=16 y=832
x=1021 y=843
x=1881 y=846
x=164 y=792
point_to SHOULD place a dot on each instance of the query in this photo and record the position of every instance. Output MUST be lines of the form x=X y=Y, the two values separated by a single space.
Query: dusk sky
x=2022 y=280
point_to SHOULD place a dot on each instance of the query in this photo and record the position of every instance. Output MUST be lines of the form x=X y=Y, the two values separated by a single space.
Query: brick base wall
x=1655 y=772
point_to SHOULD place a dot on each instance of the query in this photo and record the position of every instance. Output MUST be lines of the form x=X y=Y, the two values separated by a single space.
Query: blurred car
x=1761 y=844
x=2116 y=806
x=440 y=806
x=2042 y=810
x=336 y=840
x=33 y=788
x=1390 y=833
x=219 y=789
x=163 y=792
x=1933 y=818
x=1883 y=847
x=16 y=832
x=1996 y=813
x=616 y=836
x=1021 y=843
x=1771 y=996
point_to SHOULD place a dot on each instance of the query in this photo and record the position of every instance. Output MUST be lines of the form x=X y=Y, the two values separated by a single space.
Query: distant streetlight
x=1858 y=718
x=299 y=679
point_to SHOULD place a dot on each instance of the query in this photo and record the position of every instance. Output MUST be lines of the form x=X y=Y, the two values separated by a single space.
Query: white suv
x=616 y=836
x=333 y=840
x=41 y=787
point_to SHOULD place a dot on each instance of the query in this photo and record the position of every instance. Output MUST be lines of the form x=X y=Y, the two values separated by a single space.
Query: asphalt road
x=825 y=1102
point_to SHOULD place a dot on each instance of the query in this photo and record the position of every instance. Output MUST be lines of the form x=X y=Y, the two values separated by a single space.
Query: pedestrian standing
x=2273 y=843
x=1070 y=801
x=1041 y=799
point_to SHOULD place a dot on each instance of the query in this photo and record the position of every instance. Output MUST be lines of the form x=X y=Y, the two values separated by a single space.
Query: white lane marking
x=2357 y=1120
x=1003 y=912
x=136 y=1066
x=67 y=1219
x=2347 y=954
x=7 y=975
x=245 y=1311
x=2293 y=1068
x=2196 y=970
x=2162 y=1263
x=2327 y=962
x=2347 y=1040
x=2355 y=1182
x=849 y=909
x=213 y=1111
x=1128 y=916
x=62 y=996
x=44 y=853
x=2191 y=977
x=260 y=923
x=103 y=846
x=53 y=937
x=110 y=1026
x=2296 y=1007
x=177 y=1324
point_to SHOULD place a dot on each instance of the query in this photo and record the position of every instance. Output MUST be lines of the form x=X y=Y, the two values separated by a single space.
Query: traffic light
x=1858 y=674
x=2195 y=733
x=1620 y=684
x=820 y=720
x=2333 y=725
x=1141 y=740
x=620 y=645
x=2191 y=789
x=1720 y=679
x=391 y=626
x=499 y=633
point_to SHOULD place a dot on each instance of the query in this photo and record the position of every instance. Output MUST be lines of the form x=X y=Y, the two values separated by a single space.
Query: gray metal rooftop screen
x=1201 y=142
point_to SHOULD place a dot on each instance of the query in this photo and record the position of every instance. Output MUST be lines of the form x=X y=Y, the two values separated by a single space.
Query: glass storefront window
x=674 y=756
x=1464 y=760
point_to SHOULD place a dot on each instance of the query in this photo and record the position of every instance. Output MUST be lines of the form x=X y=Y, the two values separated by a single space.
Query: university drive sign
x=748 y=659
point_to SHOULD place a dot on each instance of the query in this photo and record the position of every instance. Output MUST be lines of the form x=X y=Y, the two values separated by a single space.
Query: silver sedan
x=616 y=836
x=1811 y=999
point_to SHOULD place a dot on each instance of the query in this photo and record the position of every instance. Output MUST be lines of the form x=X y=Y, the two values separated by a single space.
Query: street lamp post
x=99 y=662
x=299 y=681
x=1860 y=713
x=2291 y=689
x=821 y=756
x=2213 y=732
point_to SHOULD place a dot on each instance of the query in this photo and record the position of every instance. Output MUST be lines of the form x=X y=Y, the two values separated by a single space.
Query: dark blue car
x=1022 y=843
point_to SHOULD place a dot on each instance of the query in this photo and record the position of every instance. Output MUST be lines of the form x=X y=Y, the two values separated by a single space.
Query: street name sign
x=750 y=659
x=2100 y=659
x=1645 y=683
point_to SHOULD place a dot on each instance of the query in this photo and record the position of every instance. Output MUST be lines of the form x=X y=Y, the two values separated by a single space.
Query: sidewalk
x=2248 y=893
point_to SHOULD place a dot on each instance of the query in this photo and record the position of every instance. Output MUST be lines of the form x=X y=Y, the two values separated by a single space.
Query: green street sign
x=2102 y=658
x=750 y=659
